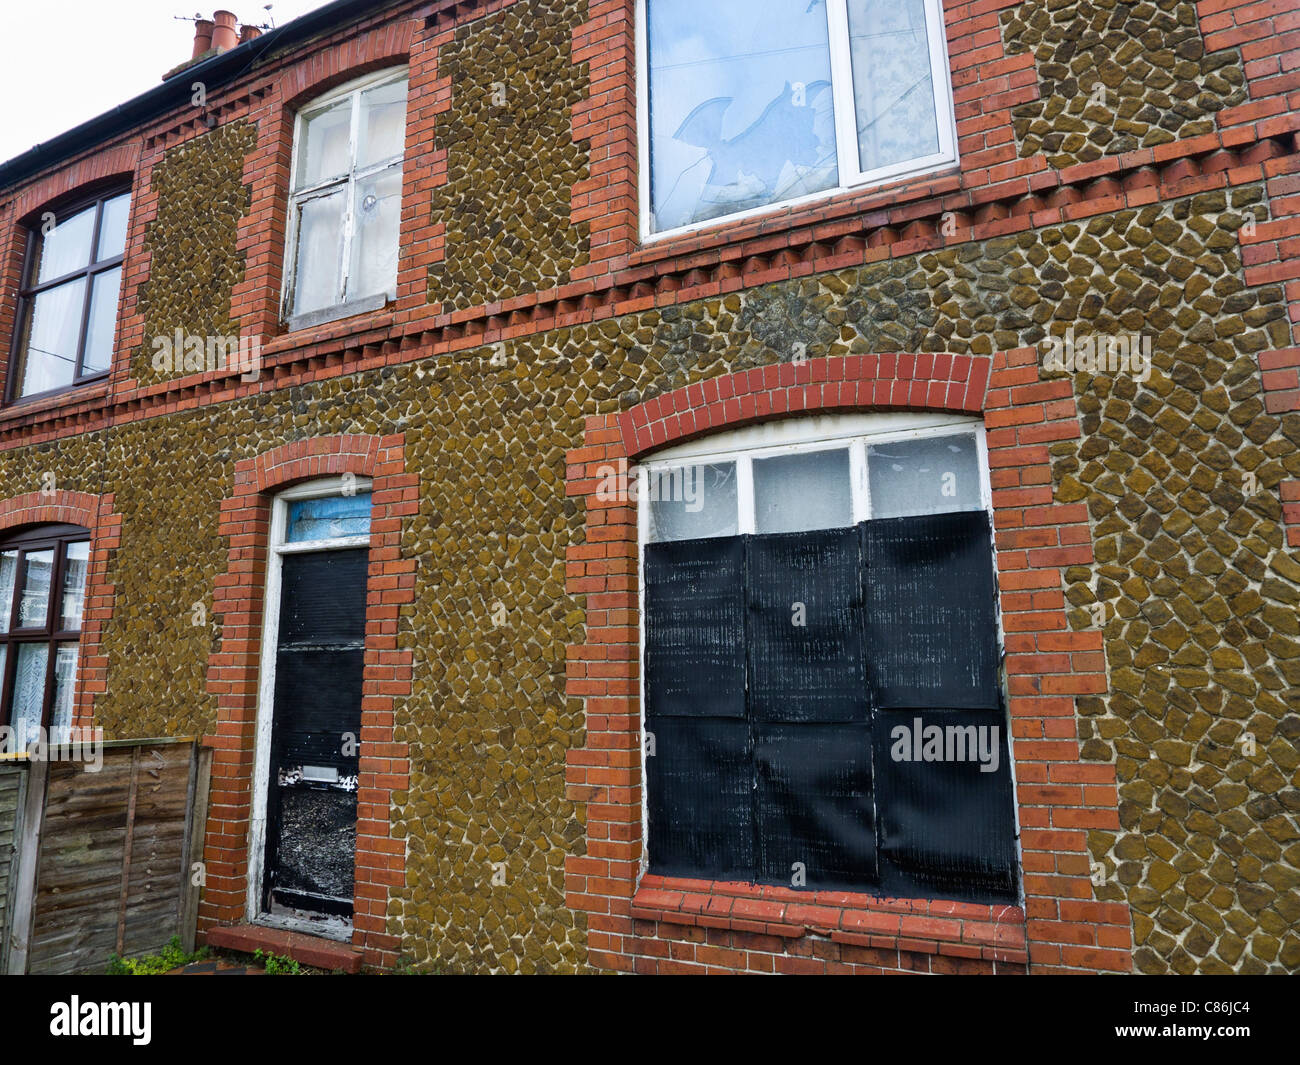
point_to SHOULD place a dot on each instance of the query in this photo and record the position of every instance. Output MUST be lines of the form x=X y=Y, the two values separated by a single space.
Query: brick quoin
x=233 y=672
x=659 y=924
x=94 y=513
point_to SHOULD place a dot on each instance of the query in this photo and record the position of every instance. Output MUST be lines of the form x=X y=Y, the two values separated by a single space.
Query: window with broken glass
x=747 y=104
x=346 y=202
x=42 y=595
x=823 y=704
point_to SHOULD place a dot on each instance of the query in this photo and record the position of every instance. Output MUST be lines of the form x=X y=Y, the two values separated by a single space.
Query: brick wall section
x=663 y=925
x=233 y=673
x=94 y=513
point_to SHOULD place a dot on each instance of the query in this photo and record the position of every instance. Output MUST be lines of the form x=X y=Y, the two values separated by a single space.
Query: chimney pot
x=224 y=34
x=202 y=36
x=248 y=33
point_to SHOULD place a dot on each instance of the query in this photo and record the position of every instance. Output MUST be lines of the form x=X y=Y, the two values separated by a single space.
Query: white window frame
x=852 y=176
x=788 y=437
x=347 y=181
x=278 y=548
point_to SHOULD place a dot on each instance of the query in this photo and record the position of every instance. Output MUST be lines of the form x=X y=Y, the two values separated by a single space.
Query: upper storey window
x=346 y=200
x=752 y=103
x=69 y=298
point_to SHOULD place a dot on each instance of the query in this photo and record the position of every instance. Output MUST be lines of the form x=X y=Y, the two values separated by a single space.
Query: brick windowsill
x=957 y=929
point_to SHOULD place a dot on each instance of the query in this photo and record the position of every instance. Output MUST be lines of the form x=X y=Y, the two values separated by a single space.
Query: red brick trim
x=920 y=926
x=234 y=669
x=94 y=513
x=954 y=383
x=352 y=57
x=647 y=924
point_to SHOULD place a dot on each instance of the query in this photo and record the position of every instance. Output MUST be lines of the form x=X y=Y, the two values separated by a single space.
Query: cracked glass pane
x=893 y=90
x=741 y=109
x=692 y=502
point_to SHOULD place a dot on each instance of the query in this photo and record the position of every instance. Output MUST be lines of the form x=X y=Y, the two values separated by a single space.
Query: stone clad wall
x=1115 y=75
x=194 y=262
x=512 y=160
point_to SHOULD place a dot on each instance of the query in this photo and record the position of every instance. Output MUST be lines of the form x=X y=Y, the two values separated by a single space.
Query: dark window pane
x=695 y=628
x=323 y=598
x=814 y=804
x=931 y=622
x=944 y=799
x=805 y=623
x=700 y=785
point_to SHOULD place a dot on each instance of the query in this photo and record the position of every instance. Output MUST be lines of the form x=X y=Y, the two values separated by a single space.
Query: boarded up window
x=779 y=669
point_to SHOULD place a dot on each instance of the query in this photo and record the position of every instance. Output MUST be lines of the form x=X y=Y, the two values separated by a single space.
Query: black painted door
x=315 y=733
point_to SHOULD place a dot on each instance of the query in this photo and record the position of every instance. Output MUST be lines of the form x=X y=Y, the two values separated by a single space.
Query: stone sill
x=319 y=953
x=956 y=929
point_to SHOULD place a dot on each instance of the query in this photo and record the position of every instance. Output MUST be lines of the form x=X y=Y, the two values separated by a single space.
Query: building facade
x=550 y=448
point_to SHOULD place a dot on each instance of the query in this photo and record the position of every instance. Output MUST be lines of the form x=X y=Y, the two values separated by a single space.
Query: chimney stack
x=224 y=34
x=202 y=36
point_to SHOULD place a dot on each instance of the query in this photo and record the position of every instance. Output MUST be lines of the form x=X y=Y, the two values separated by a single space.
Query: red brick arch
x=233 y=673
x=95 y=514
x=930 y=382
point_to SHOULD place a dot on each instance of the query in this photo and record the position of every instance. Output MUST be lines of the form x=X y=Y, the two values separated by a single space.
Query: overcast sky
x=65 y=61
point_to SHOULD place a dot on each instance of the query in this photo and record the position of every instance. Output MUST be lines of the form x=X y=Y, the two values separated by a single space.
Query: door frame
x=276 y=550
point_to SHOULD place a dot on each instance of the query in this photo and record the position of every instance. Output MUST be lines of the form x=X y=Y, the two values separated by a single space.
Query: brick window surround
x=646 y=923
x=94 y=513
x=234 y=668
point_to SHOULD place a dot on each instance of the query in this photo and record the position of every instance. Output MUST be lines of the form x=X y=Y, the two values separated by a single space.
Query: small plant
x=277 y=964
x=173 y=956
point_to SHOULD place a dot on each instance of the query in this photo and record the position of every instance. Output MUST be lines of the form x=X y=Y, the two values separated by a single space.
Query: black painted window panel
x=695 y=628
x=773 y=745
x=317 y=701
x=700 y=784
x=946 y=827
x=812 y=671
x=814 y=804
x=931 y=621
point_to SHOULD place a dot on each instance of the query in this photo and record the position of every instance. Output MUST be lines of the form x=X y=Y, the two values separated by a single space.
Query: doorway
x=303 y=839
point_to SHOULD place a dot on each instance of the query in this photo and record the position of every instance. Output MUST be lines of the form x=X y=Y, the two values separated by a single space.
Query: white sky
x=65 y=61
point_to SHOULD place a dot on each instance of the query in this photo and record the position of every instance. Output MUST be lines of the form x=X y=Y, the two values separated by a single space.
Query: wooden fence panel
x=13 y=780
x=111 y=873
